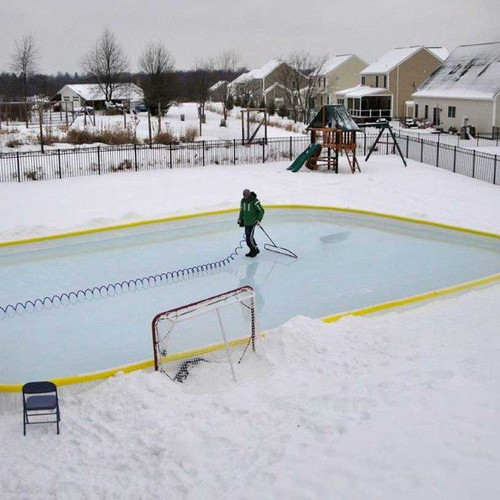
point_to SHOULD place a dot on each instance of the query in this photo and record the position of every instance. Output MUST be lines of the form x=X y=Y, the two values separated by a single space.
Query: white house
x=89 y=94
x=464 y=91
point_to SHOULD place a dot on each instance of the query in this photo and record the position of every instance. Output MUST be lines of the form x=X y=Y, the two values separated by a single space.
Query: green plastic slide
x=312 y=150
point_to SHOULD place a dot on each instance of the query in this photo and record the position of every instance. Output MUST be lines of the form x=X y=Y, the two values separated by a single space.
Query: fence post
x=59 y=163
x=234 y=151
x=421 y=151
x=473 y=163
x=407 y=145
x=170 y=153
x=454 y=159
x=263 y=152
x=99 y=159
x=18 y=166
x=495 y=170
x=135 y=156
x=437 y=154
x=364 y=142
x=203 y=153
x=291 y=149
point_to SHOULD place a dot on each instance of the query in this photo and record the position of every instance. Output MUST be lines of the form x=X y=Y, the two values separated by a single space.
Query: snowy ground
x=211 y=130
x=398 y=405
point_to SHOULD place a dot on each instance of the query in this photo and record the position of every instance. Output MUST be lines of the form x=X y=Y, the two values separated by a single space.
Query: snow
x=211 y=130
x=397 y=405
x=362 y=91
x=333 y=63
x=470 y=72
x=92 y=92
x=395 y=57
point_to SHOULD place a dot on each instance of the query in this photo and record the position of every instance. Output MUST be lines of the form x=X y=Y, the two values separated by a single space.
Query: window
x=426 y=112
x=340 y=101
x=452 y=111
x=376 y=81
x=363 y=80
x=416 y=110
x=327 y=99
x=385 y=81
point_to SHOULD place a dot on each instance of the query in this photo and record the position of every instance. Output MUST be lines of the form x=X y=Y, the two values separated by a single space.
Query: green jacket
x=251 y=210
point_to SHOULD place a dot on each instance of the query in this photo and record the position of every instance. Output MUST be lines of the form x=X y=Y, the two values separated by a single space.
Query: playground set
x=333 y=132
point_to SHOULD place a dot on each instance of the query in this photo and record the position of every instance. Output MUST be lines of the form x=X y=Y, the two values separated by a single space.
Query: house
x=89 y=94
x=217 y=92
x=254 y=84
x=388 y=83
x=464 y=91
x=339 y=72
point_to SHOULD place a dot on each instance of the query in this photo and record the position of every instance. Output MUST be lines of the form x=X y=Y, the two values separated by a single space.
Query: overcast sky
x=258 y=30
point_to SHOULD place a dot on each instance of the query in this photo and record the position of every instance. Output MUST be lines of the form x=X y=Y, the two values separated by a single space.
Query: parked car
x=141 y=108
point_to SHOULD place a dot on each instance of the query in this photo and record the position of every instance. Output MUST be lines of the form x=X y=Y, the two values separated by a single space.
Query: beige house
x=388 y=83
x=255 y=83
x=464 y=91
x=339 y=72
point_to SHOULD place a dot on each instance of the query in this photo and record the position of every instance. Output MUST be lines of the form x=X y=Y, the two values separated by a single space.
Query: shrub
x=165 y=137
x=79 y=137
x=123 y=165
x=283 y=111
x=230 y=103
x=453 y=130
x=190 y=135
x=14 y=143
x=271 y=108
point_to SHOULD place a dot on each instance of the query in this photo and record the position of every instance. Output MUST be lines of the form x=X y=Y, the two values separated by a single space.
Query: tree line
x=107 y=65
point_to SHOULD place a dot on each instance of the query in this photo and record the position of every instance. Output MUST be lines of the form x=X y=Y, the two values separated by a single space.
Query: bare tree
x=227 y=64
x=106 y=64
x=204 y=75
x=24 y=60
x=301 y=78
x=157 y=80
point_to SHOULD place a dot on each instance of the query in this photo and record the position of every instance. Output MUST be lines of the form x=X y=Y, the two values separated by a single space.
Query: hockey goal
x=218 y=329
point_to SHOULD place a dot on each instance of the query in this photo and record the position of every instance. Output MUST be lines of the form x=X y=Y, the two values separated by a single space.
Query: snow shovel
x=275 y=248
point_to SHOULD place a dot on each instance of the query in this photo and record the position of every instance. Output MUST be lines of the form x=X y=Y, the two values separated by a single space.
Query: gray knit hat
x=246 y=193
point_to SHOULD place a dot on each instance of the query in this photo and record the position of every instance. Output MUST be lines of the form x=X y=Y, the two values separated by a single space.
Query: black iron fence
x=65 y=163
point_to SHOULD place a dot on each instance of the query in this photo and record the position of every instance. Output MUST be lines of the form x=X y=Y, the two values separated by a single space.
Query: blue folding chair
x=39 y=399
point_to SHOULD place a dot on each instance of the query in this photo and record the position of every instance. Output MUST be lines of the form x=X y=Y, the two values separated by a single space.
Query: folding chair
x=44 y=402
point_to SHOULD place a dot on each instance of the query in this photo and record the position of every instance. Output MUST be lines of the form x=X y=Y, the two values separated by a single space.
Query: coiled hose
x=111 y=289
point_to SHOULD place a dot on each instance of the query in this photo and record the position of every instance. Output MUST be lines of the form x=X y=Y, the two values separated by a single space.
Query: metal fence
x=65 y=163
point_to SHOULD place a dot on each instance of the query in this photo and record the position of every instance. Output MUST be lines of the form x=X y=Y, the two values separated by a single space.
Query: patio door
x=436 y=116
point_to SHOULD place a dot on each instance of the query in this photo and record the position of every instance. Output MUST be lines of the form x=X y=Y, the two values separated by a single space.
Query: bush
x=165 y=138
x=14 y=143
x=283 y=111
x=271 y=108
x=190 y=135
x=452 y=130
x=115 y=136
x=230 y=103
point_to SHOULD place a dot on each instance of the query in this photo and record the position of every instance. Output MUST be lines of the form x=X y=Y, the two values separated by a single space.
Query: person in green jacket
x=251 y=213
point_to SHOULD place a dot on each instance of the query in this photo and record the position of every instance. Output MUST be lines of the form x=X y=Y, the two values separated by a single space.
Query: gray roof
x=470 y=72
x=334 y=116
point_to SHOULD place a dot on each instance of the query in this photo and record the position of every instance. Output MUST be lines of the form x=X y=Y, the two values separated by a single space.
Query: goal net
x=218 y=329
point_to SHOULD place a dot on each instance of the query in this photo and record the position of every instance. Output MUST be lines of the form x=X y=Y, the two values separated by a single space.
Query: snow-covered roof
x=92 y=92
x=470 y=72
x=277 y=85
x=268 y=68
x=362 y=91
x=395 y=57
x=258 y=73
x=336 y=62
x=217 y=85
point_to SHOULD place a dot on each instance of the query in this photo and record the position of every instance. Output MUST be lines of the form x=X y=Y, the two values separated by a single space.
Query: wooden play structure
x=256 y=116
x=335 y=131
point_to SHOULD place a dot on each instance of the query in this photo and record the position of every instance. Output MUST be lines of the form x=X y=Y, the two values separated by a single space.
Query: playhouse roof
x=335 y=116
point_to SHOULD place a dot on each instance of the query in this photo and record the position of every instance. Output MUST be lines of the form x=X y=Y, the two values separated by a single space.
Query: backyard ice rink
x=397 y=405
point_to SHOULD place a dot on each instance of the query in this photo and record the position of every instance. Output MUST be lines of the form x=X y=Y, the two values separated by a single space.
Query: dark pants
x=249 y=230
